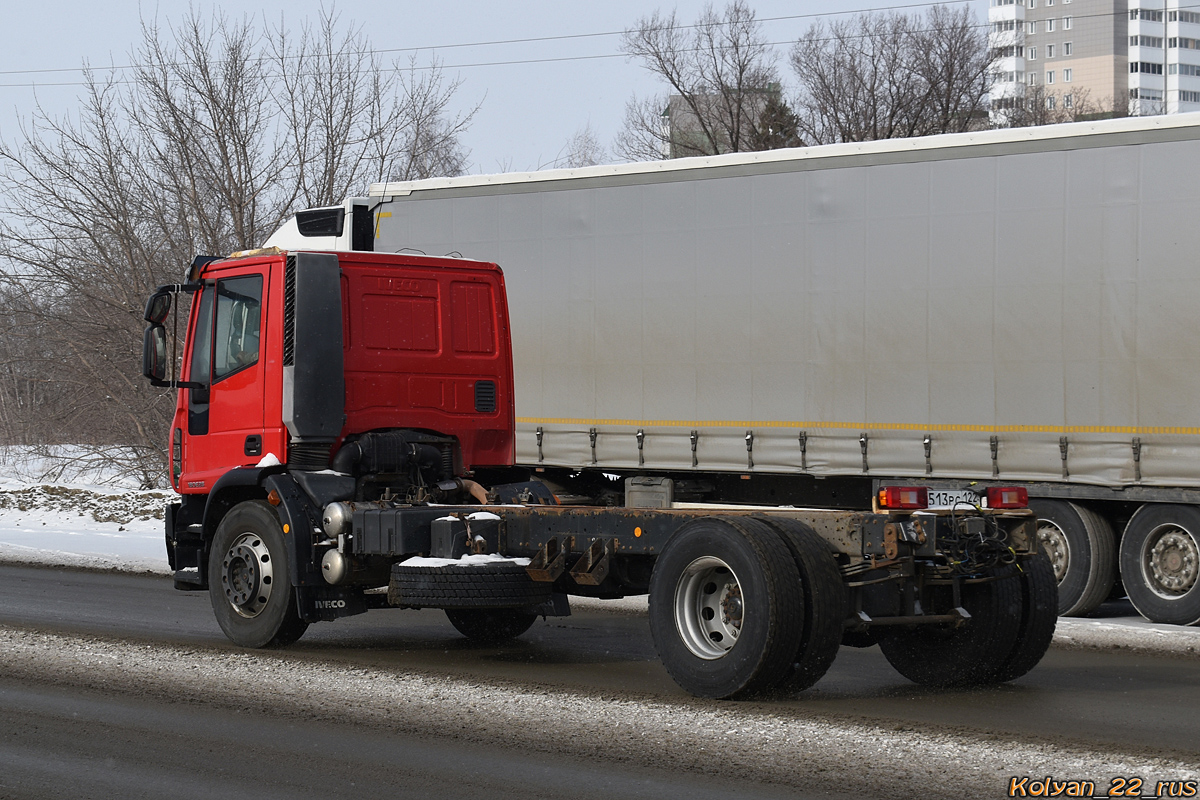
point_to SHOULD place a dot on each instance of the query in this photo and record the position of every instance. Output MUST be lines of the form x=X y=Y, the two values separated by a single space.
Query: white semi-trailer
x=803 y=327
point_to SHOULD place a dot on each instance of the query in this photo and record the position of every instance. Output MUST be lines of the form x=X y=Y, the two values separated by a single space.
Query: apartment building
x=1115 y=54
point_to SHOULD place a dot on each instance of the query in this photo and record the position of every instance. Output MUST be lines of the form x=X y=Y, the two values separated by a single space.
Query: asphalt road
x=1094 y=701
x=70 y=743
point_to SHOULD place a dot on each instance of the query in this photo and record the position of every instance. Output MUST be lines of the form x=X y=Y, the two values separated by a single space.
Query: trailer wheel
x=1160 y=563
x=726 y=607
x=490 y=625
x=252 y=598
x=1039 y=615
x=969 y=654
x=1082 y=550
x=825 y=602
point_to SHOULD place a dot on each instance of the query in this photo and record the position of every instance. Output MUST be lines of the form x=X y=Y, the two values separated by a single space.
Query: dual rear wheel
x=1160 y=563
x=725 y=600
x=742 y=606
x=1013 y=612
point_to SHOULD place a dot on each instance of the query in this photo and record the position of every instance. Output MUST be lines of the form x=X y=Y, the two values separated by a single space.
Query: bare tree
x=953 y=61
x=721 y=73
x=887 y=75
x=1041 y=106
x=583 y=149
x=220 y=132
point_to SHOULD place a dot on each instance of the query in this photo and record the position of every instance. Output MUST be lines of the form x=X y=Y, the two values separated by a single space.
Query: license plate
x=955 y=499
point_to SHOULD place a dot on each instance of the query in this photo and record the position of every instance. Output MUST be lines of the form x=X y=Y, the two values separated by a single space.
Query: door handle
x=253 y=445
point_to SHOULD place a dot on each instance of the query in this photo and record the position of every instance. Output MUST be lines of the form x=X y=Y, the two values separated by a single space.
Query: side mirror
x=157 y=307
x=154 y=354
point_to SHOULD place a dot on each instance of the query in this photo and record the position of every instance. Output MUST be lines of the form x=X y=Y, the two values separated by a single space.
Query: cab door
x=225 y=416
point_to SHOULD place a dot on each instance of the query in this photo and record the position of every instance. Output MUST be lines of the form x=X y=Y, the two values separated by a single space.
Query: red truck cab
x=365 y=374
x=424 y=345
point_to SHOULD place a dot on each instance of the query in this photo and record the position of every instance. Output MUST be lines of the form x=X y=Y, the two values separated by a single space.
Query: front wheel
x=248 y=584
x=726 y=608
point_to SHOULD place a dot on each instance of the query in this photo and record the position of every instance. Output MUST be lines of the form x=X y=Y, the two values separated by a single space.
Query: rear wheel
x=490 y=625
x=969 y=654
x=1160 y=563
x=867 y=638
x=825 y=602
x=726 y=607
x=1082 y=551
x=252 y=598
x=1039 y=615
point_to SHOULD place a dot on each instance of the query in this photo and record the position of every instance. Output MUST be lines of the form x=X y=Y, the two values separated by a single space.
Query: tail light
x=904 y=497
x=1008 y=497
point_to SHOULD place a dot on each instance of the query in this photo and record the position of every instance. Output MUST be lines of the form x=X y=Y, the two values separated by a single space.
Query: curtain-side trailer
x=803 y=327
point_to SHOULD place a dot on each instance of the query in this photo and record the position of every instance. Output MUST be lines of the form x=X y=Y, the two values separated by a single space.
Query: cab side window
x=236 y=334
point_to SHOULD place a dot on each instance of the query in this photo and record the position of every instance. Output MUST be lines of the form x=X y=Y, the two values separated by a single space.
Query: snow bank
x=73 y=537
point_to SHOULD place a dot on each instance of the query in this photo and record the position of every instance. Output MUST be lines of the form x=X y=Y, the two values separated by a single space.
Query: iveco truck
x=346 y=438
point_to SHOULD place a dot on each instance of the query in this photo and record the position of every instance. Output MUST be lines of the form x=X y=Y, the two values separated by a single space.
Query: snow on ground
x=83 y=526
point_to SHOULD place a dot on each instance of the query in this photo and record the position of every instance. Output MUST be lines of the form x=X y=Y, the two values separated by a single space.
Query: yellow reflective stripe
x=867 y=426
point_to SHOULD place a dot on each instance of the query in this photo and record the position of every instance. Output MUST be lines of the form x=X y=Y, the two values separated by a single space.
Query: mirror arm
x=188 y=288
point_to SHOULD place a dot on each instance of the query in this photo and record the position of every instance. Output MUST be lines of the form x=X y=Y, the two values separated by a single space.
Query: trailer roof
x=1067 y=136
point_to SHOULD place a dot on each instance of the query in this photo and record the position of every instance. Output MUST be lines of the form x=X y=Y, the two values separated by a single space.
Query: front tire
x=252 y=598
x=726 y=609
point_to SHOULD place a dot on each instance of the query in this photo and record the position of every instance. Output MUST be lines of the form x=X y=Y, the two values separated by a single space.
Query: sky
x=528 y=112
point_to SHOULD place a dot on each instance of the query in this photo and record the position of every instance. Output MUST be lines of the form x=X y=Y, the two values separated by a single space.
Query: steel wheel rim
x=709 y=608
x=247 y=575
x=1170 y=561
x=1054 y=542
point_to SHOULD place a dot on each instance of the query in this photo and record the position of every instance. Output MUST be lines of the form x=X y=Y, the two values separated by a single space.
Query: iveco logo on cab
x=331 y=604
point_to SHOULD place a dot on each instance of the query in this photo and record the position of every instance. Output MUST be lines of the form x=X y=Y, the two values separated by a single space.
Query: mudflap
x=185 y=543
x=325 y=603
